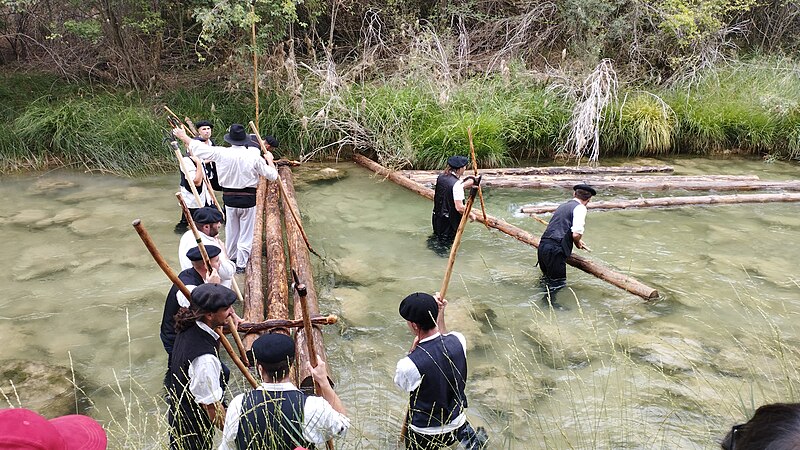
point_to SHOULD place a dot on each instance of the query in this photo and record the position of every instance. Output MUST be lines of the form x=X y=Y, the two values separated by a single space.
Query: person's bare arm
x=320 y=375
x=440 y=318
x=216 y=413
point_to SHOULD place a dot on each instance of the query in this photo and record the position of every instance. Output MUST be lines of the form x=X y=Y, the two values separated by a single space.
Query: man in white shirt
x=239 y=169
x=195 y=381
x=208 y=221
x=448 y=204
x=564 y=231
x=277 y=414
x=434 y=373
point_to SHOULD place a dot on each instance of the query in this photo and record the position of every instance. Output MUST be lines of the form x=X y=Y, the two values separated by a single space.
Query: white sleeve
x=458 y=191
x=578 y=219
x=407 y=376
x=186 y=243
x=231 y=428
x=183 y=302
x=202 y=150
x=204 y=379
x=266 y=170
x=321 y=422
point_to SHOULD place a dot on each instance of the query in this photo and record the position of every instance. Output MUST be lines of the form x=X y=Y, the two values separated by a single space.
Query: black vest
x=560 y=227
x=189 y=277
x=190 y=426
x=444 y=206
x=440 y=397
x=271 y=420
x=185 y=183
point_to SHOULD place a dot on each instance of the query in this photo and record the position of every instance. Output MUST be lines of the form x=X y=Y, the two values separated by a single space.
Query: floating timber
x=253 y=308
x=674 y=201
x=621 y=281
x=277 y=279
x=560 y=170
x=630 y=182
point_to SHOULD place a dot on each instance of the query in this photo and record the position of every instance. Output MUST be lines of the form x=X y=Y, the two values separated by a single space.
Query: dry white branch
x=599 y=89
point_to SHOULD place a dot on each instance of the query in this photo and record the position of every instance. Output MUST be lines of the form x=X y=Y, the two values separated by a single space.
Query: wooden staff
x=207 y=261
x=255 y=59
x=191 y=126
x=283 y=193
x=457 y=241
x=177 y=120
x=151 y=247
x=174 y=144
x=312 y=352
x=247 y=327
x=475 y=169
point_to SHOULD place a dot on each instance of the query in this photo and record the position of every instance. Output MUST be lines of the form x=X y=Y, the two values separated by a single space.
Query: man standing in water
x=564 y=231
x=195 y=381
x=277 y=414
x=434 y=374
x=448 y=201
x=208 y=221
x=239 y=168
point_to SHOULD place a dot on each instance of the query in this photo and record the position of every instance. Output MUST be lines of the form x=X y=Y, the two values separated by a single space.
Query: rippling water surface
x=609 y=371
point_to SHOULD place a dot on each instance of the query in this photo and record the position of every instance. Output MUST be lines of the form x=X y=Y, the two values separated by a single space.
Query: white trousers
x=239 y=233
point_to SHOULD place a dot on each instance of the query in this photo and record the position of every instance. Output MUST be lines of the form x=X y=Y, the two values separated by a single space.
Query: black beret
x=194 y=253
x=271 y=141
x=420 y=308
x=203 y=123
x=211 y=297
x=273 y=348
x=585 y=187
x=457 y=161
x=207 y=214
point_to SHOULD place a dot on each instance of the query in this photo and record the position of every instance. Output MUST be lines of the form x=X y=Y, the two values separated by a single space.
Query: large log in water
x=560 y=170
x=253 y=309
x=639 y=183
x=277 y=280
x=300 y=261
x=617 y=279
x=675 y=201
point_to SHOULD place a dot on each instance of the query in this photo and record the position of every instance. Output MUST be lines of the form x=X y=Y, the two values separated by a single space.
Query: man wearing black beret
x=434 y=373
x=448 y=199
x=564 y=231
x=196 y=378
x=277 y=415
x=204 y=128
x=192 y=277
x=208 y=221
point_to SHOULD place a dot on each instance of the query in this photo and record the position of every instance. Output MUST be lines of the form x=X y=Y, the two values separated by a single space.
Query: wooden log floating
x=560 y=170
x=277 y=278
x=254 y=299
x=675 y=201
x=299 y=260
x=273 y=324
x=622 y=281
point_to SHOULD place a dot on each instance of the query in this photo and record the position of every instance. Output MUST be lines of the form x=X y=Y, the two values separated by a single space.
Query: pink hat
x=23 y=429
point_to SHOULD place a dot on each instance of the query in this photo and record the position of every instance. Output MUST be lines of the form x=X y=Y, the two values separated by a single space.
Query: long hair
x=185 y=317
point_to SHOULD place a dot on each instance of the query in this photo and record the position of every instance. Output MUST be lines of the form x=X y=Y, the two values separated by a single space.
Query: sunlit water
x=609 y=371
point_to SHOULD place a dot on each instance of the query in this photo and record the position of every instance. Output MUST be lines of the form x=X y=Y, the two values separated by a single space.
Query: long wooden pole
x=621 y=281
x=475 y=170
x=151 y=247
x=207 y=262
x=255 y=59
x=457 y=241
x=283 y=193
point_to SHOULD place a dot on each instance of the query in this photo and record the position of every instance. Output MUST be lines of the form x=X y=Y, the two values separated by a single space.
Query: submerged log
x=675 y=201
x=253 y=309
x=560 y=170
x=622 y=281
x=300 y=261
x=643 y=182
x=277 y=280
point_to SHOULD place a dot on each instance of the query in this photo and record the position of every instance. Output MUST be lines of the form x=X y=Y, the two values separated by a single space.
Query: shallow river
x=608 y=371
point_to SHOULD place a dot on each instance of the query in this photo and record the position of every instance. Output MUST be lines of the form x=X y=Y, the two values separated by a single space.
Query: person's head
x=212 y=303
x=274 y=353
x=208 y=220
x=420 y=311
x=271 y=142
x=204 y=129
x=196 y=257
x=774 y=427
x=457 y=164
x=237 y=135
x=583 y=192
x=23 y=429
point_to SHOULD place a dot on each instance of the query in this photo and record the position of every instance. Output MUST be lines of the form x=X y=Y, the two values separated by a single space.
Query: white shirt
x=204 y=374
x=408 y=378
x=578 y=217
x=237 y=167
x=227 y=268
x=186 y=194
x=320 y=421
x=458 y=191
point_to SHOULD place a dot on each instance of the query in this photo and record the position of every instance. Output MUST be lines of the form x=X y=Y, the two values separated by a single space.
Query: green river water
x=609 y=371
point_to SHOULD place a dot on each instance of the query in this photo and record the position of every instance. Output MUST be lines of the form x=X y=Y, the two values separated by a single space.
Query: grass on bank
x=750 y=107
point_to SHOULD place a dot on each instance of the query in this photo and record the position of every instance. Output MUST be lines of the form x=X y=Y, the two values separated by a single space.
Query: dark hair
x=185 y=317
x=276 y=371
x=583 y=194
x=775 y=427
